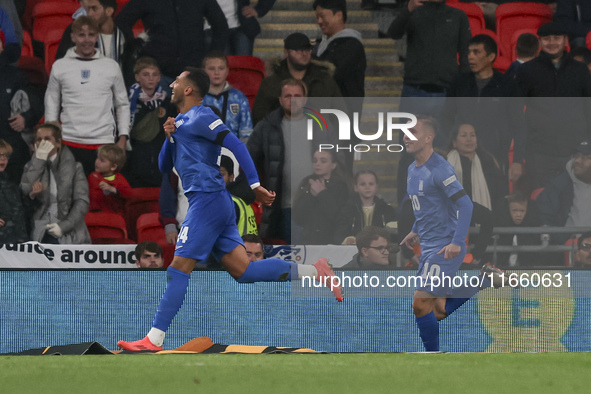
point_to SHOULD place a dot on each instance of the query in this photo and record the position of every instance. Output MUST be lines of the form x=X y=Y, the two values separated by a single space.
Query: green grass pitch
x=299 y=373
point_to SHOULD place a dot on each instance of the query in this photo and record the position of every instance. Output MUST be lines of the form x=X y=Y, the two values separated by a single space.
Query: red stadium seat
x=569 y=257
x=27 y=49
x=52 y=15
x=246 y=74
x=588 y=40
x=474 y=14
x=105 y=225
x=52 y=42
x=149 y=228
x=34 y=70
x=143 y=200
x=257 y=208
x=534 y=195
x=512 y=17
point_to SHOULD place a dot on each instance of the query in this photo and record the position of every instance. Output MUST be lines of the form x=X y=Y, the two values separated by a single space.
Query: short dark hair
x=294 y=82
x=82 y=21
x=254 y=238
x=527 y=45
x=489 y=43
x=583 y=52
x=150 y=246
x=516 y=197
x=109 y=3
x=428 y=120
x=57 y=131
x=369 y=234
x=199 y=79
x=364 y=172
x=583 y=237
x=216 y=55
x=227 y=163
x=333 y=5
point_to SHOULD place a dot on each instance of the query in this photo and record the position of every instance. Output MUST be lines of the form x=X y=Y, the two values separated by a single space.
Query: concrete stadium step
x=308 y=16
x=306 y=5
x=281 y=30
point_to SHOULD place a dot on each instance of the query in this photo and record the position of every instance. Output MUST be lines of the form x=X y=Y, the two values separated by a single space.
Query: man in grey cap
x=296 y=64
x=566 y=200
x=554 y=125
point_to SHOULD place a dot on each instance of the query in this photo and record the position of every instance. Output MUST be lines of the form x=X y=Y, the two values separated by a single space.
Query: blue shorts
x=209 y=227
x=433 y=265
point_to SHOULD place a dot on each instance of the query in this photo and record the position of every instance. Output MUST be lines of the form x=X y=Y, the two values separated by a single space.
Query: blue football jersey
x=431 y=188
x=196 y=149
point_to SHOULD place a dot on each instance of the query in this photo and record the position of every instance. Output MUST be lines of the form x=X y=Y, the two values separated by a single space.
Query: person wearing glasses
x=583 y=255
x=374 y=250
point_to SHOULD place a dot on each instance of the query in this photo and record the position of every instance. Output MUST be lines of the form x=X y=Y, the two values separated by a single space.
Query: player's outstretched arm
x=239 y=150
x=410 y=240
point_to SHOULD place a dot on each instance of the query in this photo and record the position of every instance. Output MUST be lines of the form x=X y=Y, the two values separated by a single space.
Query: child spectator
x=108 y=189
x=528 y=47
x=56 y=183
x=365 y=208
x=319 y=199
x=13 y=221
x=232 y=103
x=516 y=210
x=150 y=106
x=245 y=219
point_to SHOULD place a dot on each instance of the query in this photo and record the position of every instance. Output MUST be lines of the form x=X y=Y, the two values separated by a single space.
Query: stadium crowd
x=87 y=139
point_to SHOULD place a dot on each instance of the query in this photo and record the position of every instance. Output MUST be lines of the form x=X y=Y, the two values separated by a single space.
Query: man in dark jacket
x=554 y=125
x=20 y=109
x=297 y=64
x=175 y=29
x=566 y=200
x=436 y=35
x=574 y=16
x=495 y=120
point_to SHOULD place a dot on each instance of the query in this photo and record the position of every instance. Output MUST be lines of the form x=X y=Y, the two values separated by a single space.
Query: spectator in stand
x=583 y=55
x=298 y=65
x=476 y=169
x=13 y=219
x=319 y=200
x=272 y=146
x=111 y=43
x=515 y=210
x=363 y=209
x=497 y=121
x=254 y=247
x=84 y=92
x=149 y=101
x=56 y=183
x=437 y=32
x=574 y=16
x=148 y=254
x=232 y=103
x=583 y=256
x=245 y=219
x=20 y=109
x=243 y=24
x=554 y=126
x=527 y=48
x=108 y=189
x=566 y=200
x=374 y=250
x=175 y=36
x=10 y=23
x=341 y=46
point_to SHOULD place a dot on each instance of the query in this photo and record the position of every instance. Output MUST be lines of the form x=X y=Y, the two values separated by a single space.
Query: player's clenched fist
x=264 y=196
x=169 y=127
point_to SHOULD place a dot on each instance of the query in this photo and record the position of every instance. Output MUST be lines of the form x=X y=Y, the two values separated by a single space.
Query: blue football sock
x=429 y=331
x=172 y=299
x=460 y=295
x=268 y=270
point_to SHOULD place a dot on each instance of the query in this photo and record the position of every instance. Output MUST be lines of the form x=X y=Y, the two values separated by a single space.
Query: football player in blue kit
x=443 y=212
x=193 y=146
